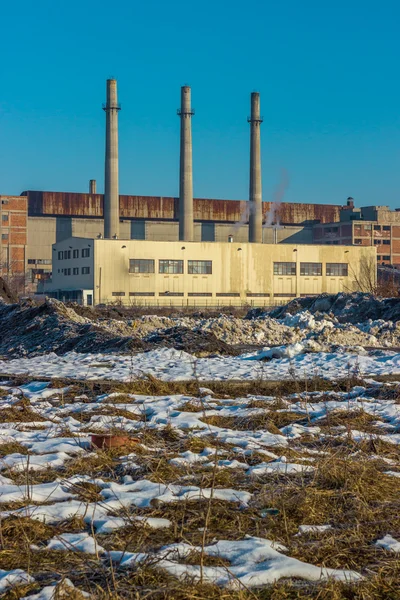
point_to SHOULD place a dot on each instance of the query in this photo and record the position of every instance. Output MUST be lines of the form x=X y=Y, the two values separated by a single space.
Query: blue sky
x=327 y=73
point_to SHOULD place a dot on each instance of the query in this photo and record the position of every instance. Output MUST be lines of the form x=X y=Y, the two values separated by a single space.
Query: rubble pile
x=345 y=321
x=267 y=332
x=196 y=342
x=346 y=308
x=28 y=329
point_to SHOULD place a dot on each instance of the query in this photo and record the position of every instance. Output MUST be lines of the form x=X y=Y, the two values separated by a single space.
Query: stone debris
x=352 y=321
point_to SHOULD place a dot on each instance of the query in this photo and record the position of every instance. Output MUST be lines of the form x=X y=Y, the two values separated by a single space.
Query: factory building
x=158 y=229
x=375 y=226
x=96 y=271
x=13 y=236
x=54 y=216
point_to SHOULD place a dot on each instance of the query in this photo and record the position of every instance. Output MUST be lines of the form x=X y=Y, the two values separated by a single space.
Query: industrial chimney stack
x=111 y=193
x=255 y=197
x=186 y=168
x=92 y=186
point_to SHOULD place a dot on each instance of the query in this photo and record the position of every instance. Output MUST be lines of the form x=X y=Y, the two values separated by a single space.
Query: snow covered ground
x=169 y=364
x=283 y=476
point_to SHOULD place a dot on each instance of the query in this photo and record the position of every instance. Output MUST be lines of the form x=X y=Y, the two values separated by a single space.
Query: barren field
x=271 y=474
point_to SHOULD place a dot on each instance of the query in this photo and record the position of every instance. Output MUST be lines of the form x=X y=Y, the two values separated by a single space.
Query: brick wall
x=13 y=235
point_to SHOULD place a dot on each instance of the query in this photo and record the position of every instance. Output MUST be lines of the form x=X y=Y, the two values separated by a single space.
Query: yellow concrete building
x=96 y=271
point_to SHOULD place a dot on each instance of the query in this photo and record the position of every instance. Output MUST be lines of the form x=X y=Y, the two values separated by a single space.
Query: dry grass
x=20 y=413
x=12 y=448
x=347 y=490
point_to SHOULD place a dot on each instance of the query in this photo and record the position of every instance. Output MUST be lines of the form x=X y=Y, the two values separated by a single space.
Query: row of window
x=208 y=294
x=39 y=261
x=75 y=271
x=377 y=242
x=145 y=265
x=66 y=254
x=311 y=269
x=384 y=257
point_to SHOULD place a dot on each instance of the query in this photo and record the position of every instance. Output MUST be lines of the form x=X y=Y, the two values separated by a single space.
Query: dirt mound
x=346 y=308
x=6 y=294
x=198 y=343
x=30 y=328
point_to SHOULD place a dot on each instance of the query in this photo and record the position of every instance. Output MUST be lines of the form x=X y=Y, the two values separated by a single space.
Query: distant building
x=95 y=271
x=376 y=226
x=13 y=235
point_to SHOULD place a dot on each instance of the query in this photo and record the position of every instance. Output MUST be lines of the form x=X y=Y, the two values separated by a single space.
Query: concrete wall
x=80 y=281
x=241 y=273
x=45 y=231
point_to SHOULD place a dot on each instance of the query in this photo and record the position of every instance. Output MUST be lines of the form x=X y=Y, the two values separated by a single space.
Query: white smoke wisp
x=244 y=217
x=272 y=218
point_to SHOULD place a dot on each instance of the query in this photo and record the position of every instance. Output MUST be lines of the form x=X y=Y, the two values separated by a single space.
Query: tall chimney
x=92 y=186
x=255 y=197
x=186 y=168
x=111 y=193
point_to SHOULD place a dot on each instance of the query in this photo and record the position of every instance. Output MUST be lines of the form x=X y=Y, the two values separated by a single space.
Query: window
x=377 y=227
x=75 y=271
x=67 y=271
x=335 y=243
x=357 y=228
x=284 y=268
x=60 y=255
x=311 y=269
x=200 y=266
x=118 y=294
x=386 y=242
x=4 y=201
x=170 y=294
x=85 y=270
x=358 y=242
x=75 y=254
x=44 y=261
x=138 y=230
x=335 y=229
x=337 y=269
x=85 y=252
x=367 y=227
x=141 y=294
x=31 y=261
x=171 y=266
x=4 y=236
x=285 y=295
x=228 y=294
x=256 y=295
x=67 y=254
x=386 y=228
x=141 y=265
x=377 y=242
x=4 y=217
x=386 y=257
x=193 y=294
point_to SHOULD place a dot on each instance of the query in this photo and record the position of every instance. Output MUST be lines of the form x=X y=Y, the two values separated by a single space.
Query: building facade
x=96 y=271
x=375 y=226
x=13 y=235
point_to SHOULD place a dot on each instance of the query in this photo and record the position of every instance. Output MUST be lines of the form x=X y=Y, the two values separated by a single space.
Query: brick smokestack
x=255 y=192
x=111 y=192
x=186 y=168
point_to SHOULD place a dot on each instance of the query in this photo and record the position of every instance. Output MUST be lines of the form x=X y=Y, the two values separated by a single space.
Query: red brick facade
x=13 y=235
